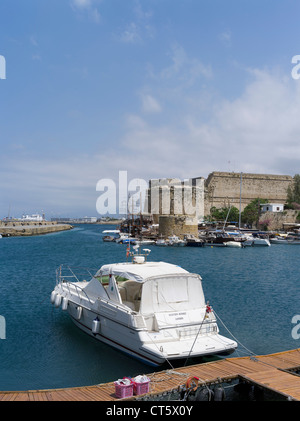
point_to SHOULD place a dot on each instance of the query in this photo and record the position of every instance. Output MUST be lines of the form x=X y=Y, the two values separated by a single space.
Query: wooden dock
x=274 y=372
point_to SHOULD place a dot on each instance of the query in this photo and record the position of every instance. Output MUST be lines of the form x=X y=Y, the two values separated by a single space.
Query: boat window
x=130 y=292
x=105 y=279
x=172 y=293
x=102 y=279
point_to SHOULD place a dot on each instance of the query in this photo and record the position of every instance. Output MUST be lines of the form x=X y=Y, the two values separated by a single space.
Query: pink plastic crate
x=141 y=388
x=123 y=390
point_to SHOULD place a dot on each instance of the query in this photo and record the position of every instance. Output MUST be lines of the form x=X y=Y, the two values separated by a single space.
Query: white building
x=272 y=207
x=34 y=217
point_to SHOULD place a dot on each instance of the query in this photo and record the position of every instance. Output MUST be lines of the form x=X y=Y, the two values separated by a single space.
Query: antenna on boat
x=147 y=252
x=138 y=257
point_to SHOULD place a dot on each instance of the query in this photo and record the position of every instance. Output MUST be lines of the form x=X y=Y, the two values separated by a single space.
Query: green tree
x=252 y=211
x=220 y=214
x=293 y=193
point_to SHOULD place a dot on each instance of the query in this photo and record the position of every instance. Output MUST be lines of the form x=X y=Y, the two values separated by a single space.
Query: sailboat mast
x=240 y=213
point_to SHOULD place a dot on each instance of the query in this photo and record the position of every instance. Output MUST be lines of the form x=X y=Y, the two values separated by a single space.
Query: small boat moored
x=174 y=240
x=125 y=238
x=260 y=240
x=161 y=242
x=143 y=241
x=192 y=241
x=233 y=244
x=110 y=235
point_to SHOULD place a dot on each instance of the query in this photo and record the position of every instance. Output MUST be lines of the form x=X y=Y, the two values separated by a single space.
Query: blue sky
x=157 y=88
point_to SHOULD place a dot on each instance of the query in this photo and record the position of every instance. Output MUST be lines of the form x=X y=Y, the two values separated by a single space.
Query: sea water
x=254 y=292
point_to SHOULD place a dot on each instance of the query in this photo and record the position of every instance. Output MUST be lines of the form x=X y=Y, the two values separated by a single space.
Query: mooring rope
x=239 y=342
x=254 y=355
x=187 y=358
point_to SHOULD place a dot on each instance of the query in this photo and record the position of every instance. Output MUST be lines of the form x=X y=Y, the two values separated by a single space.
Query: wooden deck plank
x=278 y=381
x=280 y=362
x=288 y=357
x=268 y=371
x=10 y=397
x=22 y=397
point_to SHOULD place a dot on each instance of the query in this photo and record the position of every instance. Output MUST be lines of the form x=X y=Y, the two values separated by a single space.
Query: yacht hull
x=129 y=341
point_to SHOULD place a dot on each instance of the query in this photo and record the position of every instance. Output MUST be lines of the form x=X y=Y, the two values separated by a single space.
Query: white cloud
x=87 y=6
x=81 y=4
x=131 y=34
x=226 y=38
x=33 y=41
x=256 y=132
x=150 y=104
x=95 y=15
x=182 y=75
x=139 y=28
x=184 y=67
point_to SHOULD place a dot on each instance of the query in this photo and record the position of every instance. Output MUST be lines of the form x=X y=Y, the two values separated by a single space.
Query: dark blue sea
x=254 y=291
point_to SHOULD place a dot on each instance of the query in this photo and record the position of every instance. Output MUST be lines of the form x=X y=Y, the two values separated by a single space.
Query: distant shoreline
x=113 y=222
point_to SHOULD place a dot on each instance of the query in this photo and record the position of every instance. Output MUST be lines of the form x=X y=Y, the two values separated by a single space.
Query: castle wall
x=222 y=189
x=196 y=196
x=179 y=225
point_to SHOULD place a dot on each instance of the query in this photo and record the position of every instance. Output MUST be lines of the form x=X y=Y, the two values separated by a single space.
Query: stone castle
x=223 y=189
x=177 y=205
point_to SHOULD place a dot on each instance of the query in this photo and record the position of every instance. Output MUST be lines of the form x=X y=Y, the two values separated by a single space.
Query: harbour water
x=254 y=291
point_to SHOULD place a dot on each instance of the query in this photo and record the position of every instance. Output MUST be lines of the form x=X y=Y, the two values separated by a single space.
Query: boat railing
x=78 y=273
x=67 y=274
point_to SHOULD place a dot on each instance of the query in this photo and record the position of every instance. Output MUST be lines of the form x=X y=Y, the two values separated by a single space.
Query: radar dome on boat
x=139 y=259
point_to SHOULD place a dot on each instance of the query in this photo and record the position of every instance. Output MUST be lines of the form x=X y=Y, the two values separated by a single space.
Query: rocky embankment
x=13 y=229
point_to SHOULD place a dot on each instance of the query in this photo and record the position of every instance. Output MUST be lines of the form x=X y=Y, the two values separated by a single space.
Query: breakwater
x=19 y=228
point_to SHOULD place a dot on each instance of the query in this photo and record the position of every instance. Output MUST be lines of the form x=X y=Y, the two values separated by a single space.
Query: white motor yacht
x=261 y=240
x=144 y=242
x=233 y=244
x=161 y=242
x=110 y=235
x=124 y=238
x=153 y=311
x=176 y=241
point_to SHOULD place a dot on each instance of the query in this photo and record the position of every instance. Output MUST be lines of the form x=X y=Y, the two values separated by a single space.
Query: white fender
x=96 y=325
x=53 y=296
x=58 y=300
x=78 y=313
x=64 y=305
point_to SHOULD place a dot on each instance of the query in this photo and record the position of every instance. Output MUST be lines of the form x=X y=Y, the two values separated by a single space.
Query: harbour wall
x=19 y=228
x=282 y=221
